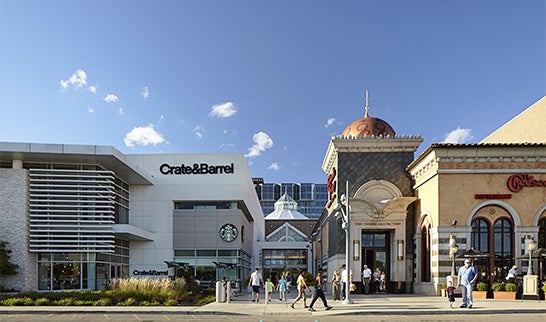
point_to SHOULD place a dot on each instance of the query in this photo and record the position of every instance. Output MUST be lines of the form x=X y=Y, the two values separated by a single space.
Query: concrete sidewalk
x=377 y=304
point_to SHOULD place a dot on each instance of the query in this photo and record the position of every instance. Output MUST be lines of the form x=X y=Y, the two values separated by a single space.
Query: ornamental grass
x=119 y=292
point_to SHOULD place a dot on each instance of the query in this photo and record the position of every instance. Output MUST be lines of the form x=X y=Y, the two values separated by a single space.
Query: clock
x=228 y=232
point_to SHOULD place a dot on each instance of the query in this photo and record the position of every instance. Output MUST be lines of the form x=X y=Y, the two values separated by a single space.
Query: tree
x=7 y=268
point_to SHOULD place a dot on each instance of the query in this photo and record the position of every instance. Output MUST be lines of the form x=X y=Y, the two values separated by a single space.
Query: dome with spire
x=368 y=126
x=286 y=208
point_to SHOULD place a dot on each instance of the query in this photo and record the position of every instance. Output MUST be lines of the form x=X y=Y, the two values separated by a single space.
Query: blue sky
x=271 y=79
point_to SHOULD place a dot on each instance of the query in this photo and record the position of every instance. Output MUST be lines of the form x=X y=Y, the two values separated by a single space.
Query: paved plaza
x=376 y=304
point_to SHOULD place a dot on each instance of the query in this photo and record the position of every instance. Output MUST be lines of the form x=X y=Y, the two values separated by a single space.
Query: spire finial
x=366 y=115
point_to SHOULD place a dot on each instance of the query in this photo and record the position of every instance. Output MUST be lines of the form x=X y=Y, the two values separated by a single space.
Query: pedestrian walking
x=256 y=282
x=319 y=293
x=336 y=281
x=281 y=287
x=366 y=277
x=302 y=286
x=467 y=277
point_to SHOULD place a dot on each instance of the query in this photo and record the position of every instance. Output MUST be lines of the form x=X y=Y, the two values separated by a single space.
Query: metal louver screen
x=71 y=210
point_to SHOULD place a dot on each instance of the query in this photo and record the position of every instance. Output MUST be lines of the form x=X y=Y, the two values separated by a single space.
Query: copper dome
x=368 y=126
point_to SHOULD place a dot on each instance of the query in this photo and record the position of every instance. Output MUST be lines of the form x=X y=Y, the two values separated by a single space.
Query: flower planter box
x=504 y=295
x=479 y=294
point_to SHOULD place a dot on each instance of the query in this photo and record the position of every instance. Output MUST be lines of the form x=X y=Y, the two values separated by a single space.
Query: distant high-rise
x=311 y=197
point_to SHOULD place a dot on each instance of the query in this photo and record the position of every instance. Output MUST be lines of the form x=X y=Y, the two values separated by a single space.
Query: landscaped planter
x=479 y=294
x=504 y=295
x=504 y=291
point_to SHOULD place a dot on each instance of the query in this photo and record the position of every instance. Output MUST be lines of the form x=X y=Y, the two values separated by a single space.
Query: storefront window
x=494 y=239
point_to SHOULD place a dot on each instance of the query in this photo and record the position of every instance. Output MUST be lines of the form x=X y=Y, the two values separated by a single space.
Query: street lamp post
x=344 y=215
x=530 y=281
x=531 y=245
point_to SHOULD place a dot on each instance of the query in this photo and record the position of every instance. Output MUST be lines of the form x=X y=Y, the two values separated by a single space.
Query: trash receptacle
x=220 y=292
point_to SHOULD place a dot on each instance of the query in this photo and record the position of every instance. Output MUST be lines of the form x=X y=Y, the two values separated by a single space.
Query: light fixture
x=356 y=249
x=531 y=246
x=400 y=249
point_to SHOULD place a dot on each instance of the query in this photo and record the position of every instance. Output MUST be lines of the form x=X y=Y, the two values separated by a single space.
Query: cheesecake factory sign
x=517 y=182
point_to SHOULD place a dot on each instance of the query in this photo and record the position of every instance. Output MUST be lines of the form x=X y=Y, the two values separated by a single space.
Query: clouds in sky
x=143 y=136
x=198 y=130
x=223 y=110
x=458 y=136
x=262 y=142
x=77 y=80
x=329 y=122
x=111 y=98
x=145 y=92
x=274 y=166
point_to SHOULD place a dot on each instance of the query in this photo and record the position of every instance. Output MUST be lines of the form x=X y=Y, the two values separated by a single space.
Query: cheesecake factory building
x=407 y=212
x=75 y=216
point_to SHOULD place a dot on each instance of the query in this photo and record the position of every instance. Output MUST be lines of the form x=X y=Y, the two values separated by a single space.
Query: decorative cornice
x=369 y=144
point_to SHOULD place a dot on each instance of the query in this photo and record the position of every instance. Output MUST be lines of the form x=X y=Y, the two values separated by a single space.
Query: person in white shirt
x=256 y=281
x=344 y=280
x=366 y=276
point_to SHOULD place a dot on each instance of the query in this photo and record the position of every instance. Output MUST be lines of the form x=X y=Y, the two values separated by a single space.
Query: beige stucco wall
x=457 y=196
x=527 y=127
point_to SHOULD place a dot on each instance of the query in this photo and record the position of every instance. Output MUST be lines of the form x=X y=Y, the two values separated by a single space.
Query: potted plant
x=443 y=288
x=504 y=291
x=481 y=290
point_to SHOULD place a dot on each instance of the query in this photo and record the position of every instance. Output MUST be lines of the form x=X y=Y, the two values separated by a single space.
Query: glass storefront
x=210 y=265
x=81 y=271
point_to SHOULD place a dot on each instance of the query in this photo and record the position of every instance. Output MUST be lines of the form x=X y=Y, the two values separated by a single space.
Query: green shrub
x=69 y=301
x=511 y=287
x=482 y=286
x=17 y=301
x=41 y=301
x=171 y=302
x=206 y=300
x=128 y=302
x=102 y=302
x=497 y=287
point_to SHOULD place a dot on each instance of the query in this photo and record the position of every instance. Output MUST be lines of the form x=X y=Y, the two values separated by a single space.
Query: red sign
x=517 y=182
x=331 y=186
x=493 y=196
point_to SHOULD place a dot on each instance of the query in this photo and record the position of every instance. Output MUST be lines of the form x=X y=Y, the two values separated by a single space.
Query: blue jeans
x=466 y=293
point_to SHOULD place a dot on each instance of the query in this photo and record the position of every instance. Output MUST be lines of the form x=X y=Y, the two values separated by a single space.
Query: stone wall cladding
x=13 y=227
x=362 y=167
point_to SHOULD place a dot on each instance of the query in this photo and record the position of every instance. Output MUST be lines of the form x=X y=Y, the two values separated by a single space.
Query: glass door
x=375 y=250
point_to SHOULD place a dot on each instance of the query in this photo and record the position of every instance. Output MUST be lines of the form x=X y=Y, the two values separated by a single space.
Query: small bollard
x=220 y=292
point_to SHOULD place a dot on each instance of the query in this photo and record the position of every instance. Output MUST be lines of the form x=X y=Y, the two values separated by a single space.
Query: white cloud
x=145 y=92
x=223 y=110
x=143 y=136
x=274 y=166
x=227 y=146
x=120 y=111
x=93 y=89
x=110 y=98
x=198 y=130
x=458 y=136
x=329 y=122
x=262 y=142
x=90 y=109
x=77 y=80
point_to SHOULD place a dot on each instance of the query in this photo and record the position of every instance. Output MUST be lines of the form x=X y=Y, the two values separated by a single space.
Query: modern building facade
x=287 y=246
x=76 y=216
x=310 y=197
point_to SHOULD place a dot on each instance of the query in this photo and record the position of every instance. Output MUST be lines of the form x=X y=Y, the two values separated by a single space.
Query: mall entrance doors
x=376 y=252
